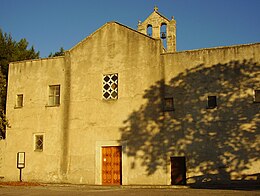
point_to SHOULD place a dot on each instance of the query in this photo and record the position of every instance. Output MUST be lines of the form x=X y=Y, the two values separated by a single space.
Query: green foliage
x=3 y=123
x=2 y=91
x=10 y=51
x=60 y=53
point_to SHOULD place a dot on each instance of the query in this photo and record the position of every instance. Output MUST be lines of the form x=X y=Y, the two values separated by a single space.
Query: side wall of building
x=2 y=158
x=222 y=143
x=32 y=80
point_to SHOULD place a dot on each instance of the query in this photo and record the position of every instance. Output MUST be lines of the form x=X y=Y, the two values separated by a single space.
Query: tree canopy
x=10 y=51
x=59 y=53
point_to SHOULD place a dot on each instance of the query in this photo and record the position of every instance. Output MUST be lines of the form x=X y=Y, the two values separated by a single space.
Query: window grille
x=110 y=86
x=38 y=143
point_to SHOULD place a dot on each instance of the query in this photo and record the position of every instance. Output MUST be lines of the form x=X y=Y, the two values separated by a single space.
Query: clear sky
x=51 y=24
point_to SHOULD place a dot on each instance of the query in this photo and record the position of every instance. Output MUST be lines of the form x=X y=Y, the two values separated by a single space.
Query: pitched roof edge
x=162 y=16
x=103 y=26
x=132 y=29
x=158 y=14
x=75 y=46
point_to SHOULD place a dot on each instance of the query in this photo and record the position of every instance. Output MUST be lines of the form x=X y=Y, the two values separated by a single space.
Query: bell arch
x=149 y=30
x=163 y=34
x=158 y=26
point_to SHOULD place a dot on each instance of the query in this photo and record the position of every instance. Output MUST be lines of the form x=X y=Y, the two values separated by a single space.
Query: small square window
x=212 y=102
x=19 y=101
x=54 y=95
x=38 y=142
x=168 y=104
x=110 y=86
x=257 y=96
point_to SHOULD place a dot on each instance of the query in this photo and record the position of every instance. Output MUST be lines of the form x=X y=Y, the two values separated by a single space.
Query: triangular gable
x=155 y=15
x=104 y=26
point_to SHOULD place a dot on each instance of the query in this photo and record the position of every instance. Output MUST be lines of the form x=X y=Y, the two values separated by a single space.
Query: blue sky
x=51 y=24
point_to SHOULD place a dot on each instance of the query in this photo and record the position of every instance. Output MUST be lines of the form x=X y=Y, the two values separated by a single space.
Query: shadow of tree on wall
x=219 y=144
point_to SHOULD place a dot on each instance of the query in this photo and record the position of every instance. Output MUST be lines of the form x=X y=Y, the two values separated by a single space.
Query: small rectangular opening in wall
x=256 y=96
x=38 y=142
x=19 y=101
x=168 y=104
x=178 y=170
x=212 y=102
x=54 y=95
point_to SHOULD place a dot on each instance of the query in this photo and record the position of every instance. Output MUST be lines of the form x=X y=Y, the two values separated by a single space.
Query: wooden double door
x=112 y=165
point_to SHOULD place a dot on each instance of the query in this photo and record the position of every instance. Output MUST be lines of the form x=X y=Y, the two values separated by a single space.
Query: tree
x=60 y=53
x=3 y=120
x=10 y=51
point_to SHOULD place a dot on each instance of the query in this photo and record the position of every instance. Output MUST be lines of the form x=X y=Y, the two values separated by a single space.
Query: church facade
x=124 y=107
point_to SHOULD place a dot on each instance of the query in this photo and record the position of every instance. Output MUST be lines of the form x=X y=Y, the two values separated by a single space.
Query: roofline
x=110 y=22
x=158 y=14
x=40 y=59
x=213 y=48
x=132 y=29
x=103 y=26
x=162 y=16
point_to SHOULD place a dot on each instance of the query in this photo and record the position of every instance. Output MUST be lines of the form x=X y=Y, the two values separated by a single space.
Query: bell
x=163 y=35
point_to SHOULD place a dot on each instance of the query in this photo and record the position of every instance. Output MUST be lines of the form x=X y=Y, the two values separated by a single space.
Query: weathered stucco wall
x=75 y=131
x=32 y=79
x=97 y=122
x=2 y=153
x=220 y=144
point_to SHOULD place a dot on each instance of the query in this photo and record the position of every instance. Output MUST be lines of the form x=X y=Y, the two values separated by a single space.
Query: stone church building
x=123 y=107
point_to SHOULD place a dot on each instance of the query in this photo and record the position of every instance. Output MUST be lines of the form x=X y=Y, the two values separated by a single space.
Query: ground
x=32 y=189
